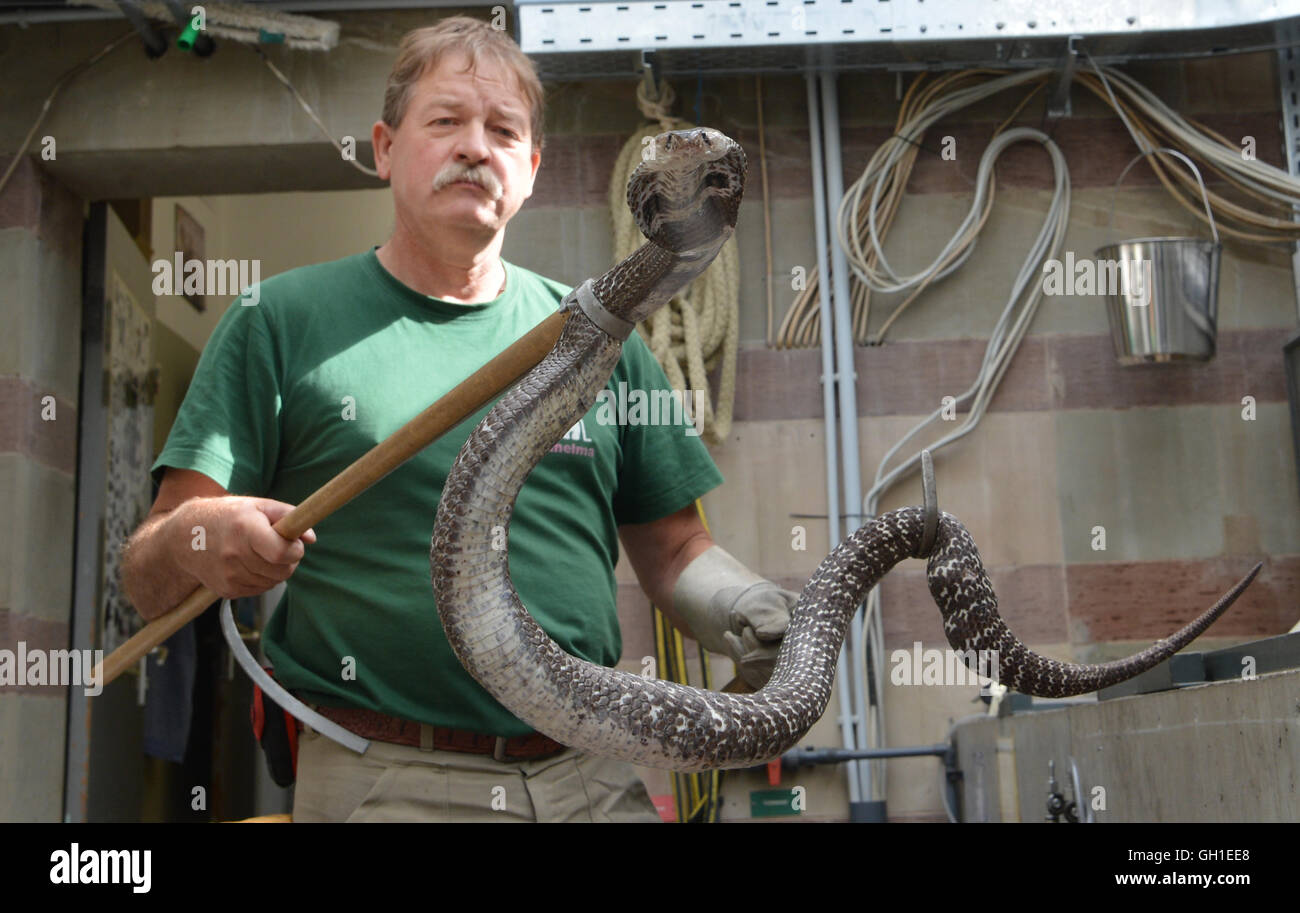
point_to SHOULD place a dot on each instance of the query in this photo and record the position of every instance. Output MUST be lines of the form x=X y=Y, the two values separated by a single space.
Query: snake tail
x=972 y=624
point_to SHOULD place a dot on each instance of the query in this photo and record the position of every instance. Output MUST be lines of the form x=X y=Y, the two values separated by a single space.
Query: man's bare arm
x=152 y=576
x=659 y=551
x=152 y=583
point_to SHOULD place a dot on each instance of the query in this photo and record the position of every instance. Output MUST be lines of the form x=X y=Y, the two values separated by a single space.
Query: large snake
x=685 y=198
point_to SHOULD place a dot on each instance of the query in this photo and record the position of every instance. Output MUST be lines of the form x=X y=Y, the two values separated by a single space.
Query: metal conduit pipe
x=798 y=758
x=40 y=15
x=865 y=808
x=154 y=44
x=820 y=225
x=807 y=757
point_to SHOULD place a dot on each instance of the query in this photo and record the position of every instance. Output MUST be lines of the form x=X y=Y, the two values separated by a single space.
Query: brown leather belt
x=383 y=728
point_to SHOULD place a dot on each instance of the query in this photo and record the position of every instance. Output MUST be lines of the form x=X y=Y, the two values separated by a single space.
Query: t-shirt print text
x=575 y=441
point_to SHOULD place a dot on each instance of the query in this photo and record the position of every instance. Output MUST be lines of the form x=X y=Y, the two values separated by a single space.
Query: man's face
x=462 y=156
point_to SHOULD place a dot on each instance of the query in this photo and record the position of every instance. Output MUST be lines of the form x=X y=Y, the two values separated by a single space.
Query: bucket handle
x=1205 y=197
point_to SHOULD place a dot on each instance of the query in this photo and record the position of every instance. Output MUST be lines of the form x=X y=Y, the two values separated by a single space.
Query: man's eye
x=510 y=133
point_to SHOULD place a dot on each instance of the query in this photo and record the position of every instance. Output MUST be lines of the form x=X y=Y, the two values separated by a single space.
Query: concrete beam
x=131 y=126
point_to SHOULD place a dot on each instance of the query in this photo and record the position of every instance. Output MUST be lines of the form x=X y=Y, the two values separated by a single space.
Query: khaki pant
x=400 y=783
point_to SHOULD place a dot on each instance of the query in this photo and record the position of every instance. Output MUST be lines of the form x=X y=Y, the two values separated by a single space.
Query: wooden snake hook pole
x=459 y=403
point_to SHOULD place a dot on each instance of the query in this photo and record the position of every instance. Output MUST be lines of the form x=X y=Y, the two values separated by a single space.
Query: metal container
x=1163 y=303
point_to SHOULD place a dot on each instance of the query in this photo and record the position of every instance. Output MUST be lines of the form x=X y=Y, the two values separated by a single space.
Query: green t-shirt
x=332 y=360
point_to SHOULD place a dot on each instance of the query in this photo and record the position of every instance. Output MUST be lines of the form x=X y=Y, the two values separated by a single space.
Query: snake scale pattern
x=685 y=197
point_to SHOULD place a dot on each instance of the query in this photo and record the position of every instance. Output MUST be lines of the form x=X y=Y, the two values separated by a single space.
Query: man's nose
x=471 y=143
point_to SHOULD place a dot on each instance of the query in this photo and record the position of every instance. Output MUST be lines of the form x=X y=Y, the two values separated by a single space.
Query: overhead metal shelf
x=575 y=39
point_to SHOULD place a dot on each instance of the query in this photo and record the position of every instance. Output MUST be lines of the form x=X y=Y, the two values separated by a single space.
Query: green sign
x=773 y=803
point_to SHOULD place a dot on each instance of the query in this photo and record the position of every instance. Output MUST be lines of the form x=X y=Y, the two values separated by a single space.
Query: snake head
x=686 y=192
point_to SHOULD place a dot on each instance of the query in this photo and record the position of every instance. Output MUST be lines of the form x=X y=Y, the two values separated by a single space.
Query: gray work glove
x=761 y=614
x=733 y=611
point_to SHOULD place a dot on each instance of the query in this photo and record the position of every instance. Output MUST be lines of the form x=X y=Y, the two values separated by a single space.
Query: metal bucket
x=1164 y=305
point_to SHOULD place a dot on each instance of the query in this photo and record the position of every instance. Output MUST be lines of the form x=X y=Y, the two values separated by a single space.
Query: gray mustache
x=477 y=174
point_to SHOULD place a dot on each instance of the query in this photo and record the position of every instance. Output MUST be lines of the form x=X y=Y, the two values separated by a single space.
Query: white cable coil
x=1007 y=334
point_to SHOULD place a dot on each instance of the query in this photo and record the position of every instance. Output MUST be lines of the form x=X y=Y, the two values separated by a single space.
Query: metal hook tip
x=930 y=529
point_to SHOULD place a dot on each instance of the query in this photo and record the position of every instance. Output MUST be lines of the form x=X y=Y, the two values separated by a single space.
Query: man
x=331 y=360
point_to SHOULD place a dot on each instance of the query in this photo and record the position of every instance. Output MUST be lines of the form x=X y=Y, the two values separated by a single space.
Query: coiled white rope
x=700 y=327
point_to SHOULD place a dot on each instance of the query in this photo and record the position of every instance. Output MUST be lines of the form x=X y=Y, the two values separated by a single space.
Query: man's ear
x=381 y=141
x=536 y=160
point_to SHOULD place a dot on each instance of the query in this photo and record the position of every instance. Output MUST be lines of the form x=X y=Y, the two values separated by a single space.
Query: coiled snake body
x=685 y=198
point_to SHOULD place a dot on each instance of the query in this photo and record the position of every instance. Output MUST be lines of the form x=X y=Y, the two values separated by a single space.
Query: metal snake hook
x=931 y=528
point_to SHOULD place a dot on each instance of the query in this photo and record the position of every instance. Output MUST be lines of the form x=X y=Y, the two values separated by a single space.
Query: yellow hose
x=692 y=793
